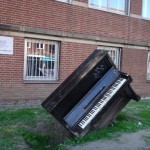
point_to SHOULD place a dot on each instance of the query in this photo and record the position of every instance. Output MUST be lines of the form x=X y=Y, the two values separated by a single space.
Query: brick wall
x=72 y=55
x=12 y=86
x=11 y=77
x=136 y=7
x=134 y=62
x=54 y=15
x=58 y=16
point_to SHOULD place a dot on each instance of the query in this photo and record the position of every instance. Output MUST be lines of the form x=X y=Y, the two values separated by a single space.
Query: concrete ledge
x=49 y=32
x=17 y=104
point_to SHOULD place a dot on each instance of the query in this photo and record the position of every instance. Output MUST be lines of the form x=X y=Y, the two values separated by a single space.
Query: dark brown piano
x=91 y=96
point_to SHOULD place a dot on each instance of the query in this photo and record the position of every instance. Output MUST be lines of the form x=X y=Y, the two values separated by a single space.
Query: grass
x=34 y=128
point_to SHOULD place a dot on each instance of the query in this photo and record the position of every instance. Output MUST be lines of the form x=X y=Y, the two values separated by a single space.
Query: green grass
x=34 y=128
x=16 y=126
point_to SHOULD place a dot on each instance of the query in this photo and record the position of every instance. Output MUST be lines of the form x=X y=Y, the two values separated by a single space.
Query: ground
x=128 y=141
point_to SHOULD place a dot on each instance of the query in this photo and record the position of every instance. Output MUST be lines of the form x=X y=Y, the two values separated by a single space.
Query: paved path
x=130 y=141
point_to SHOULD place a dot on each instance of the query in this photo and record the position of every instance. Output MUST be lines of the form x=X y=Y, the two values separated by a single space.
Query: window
x=119 y=6
x=41 y=60
x=146 y=9
x=114 y=53
x=148 y=66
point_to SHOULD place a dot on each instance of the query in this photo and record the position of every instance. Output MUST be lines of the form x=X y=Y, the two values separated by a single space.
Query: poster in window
x=6 y=45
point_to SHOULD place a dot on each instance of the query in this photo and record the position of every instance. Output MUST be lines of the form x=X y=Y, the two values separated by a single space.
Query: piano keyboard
x=100 y=104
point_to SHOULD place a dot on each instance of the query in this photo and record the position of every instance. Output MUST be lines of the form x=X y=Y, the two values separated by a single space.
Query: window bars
x=41 y=60
x=114 y=53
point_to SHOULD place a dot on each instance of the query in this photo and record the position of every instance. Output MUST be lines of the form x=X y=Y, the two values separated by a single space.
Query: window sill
x=148 y=19
x=42 y=81
x=69 y=2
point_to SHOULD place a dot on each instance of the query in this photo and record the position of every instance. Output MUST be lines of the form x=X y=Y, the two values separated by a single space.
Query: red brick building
x=42 y=42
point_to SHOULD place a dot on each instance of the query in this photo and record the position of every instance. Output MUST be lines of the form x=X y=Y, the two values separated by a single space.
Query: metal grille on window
x=148 y=67
x=114 y=53
x=41 y=60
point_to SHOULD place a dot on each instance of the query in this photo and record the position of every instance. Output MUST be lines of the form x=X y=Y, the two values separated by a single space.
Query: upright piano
x=91 y=96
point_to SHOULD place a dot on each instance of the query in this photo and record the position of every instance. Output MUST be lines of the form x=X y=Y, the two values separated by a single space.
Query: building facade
x=42 y=42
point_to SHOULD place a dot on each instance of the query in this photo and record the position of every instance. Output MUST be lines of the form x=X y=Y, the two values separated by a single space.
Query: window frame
x=117 y=52
x=148 y=66
x=43 y=78
x=40 y=46
x=107 y=9
x=65 y=1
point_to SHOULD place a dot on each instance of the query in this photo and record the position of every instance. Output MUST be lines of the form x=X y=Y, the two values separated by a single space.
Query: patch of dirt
x=57 y=133
x=127 y=141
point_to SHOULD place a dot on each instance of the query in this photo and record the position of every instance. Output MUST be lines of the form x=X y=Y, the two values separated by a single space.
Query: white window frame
x=145 y=9
x=114 y=53
x=44 y=60
x=65 y=1
x=28 y=44
x=40 y=45
x=148 y=66
x=126 y=9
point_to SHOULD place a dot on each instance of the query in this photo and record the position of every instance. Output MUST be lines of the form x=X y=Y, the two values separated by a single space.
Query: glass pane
x=95 y=2
x=117 y=5
x=99 y=3
x=104 y=3
x=145 y=9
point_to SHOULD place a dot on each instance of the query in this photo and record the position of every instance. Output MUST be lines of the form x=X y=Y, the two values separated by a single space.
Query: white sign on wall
x=6 y=45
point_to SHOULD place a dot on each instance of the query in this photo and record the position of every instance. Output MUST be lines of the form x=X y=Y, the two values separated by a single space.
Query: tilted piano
x=91 y=96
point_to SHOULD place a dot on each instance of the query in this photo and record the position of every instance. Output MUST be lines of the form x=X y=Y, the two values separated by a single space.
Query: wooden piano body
x=91 y=96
